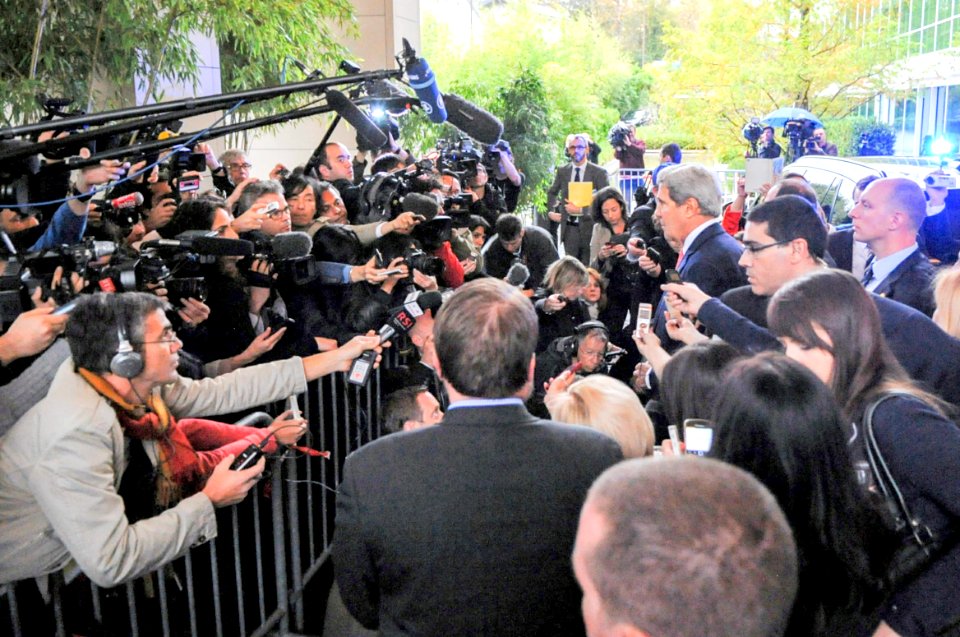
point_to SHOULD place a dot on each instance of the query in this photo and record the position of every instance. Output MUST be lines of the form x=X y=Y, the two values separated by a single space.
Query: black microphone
x=424 y=84
x=518 y=274
x=365 y=126
x=473 y=120
x=401 y=321
x=126 y=202
x=291 y=245
x=202 y=244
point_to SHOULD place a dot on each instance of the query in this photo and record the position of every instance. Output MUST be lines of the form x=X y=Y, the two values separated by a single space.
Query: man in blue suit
x=689 y=208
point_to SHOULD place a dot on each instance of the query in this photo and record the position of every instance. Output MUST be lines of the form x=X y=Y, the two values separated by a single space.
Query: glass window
x=928 y=40
x=952 y=127
x=945 y=9
x=843 y=204
x=943 y=36
x=929 y=12
x=916 y=14
x=822 y=182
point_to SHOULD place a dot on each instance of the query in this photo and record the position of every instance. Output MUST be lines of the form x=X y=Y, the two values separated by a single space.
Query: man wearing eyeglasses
x=574 y=222
x=62 y=463
x=785 y=239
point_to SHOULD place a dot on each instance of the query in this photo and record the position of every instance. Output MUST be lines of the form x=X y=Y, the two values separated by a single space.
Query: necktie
x=576 y=173
x=680 y=258
x=868 y=272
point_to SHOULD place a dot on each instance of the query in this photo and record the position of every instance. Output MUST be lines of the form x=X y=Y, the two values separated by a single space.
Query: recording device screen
x=189 y=184
x=697 y=436
x=644 y=314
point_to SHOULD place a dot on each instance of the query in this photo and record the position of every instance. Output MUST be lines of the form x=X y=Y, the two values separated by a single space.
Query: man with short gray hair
x=688 y=207
x=684 y=547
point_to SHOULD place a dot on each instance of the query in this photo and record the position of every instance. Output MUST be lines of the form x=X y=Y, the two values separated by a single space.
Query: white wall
x=382 y=25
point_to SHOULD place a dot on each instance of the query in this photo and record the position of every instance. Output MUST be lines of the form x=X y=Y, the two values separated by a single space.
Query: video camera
x=461 y=157
x=381 y=194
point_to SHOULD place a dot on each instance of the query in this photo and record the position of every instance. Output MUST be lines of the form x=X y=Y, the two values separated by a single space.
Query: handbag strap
x=888 y=486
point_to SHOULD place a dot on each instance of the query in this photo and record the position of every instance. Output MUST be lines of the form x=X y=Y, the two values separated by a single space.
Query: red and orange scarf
x=177 y=461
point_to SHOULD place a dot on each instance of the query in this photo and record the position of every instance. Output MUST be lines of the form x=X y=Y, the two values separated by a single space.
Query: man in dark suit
x=516 y=243
x=466 y=528
x=887 y=218
x=688 y=207
x=575 y=222
x=784 y=239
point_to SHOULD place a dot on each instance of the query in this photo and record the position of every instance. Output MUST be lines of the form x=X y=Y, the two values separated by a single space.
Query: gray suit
x=575 y=233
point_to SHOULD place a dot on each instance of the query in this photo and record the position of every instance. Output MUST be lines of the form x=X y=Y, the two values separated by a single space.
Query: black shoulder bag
x=920 y=546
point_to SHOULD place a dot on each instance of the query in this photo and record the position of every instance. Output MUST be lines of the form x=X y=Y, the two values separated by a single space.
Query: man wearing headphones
x=585 y=352
x=61 y=464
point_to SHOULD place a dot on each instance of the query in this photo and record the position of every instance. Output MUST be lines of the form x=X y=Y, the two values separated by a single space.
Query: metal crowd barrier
x=267 y=571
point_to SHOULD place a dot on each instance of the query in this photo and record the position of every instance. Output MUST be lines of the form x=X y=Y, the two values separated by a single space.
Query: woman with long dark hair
x=828 y=323
x=775 y=419
x=608 y=254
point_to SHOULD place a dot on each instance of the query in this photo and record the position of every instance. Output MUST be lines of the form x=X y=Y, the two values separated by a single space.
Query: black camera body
x=425 y=263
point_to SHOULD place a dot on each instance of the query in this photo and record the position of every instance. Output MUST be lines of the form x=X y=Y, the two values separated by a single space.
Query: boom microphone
x=203 y=244
x=365 y=126
x=473 y=120
x=424 y=84
x=291 y=245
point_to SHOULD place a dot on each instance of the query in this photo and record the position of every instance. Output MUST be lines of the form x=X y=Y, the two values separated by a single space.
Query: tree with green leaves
x=737 y=60
x=94 y=51
x=543 y=71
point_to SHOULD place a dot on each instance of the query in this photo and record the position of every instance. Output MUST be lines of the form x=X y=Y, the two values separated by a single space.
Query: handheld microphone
x=473 y=120
x=518 y=274
x=126 y=202
x=424 y=84
x=349 y=111
x=401 y=321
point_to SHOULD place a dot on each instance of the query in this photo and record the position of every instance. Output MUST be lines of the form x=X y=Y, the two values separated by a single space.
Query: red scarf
x=177 y=461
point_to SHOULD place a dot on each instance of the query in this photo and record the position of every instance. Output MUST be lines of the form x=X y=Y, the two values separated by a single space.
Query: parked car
x=834 y=178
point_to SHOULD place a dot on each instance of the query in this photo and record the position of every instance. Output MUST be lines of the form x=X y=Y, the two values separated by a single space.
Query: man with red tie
x=688 y=208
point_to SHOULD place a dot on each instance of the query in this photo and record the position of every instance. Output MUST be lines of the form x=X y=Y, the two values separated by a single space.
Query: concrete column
x=382 y=24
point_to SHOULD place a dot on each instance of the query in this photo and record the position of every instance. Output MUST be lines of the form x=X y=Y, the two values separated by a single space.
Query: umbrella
x=783 y=115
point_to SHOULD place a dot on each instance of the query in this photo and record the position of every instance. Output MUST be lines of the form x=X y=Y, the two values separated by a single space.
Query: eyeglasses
x=169 y=335
x=577 y=147
x=279 y=212
x=754 y=248
x=240 y=166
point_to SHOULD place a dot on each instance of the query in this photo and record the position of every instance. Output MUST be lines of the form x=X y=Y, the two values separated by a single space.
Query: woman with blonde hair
x=604 y=404
x=946 y=295
x=560 y=305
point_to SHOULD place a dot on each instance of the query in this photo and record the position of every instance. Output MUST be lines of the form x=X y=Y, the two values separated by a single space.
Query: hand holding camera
x=554 y=303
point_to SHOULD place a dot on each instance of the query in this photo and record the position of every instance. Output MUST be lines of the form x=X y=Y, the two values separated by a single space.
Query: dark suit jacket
x=911 y=283
x=576 y=239
x=537 y=252
x=711 y=264
x=926 y=352
x=466 y=528
x=840 y=247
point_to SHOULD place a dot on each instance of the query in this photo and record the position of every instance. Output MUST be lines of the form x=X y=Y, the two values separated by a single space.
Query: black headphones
x=569 y=344
x=127 y=362
x=592 y=325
